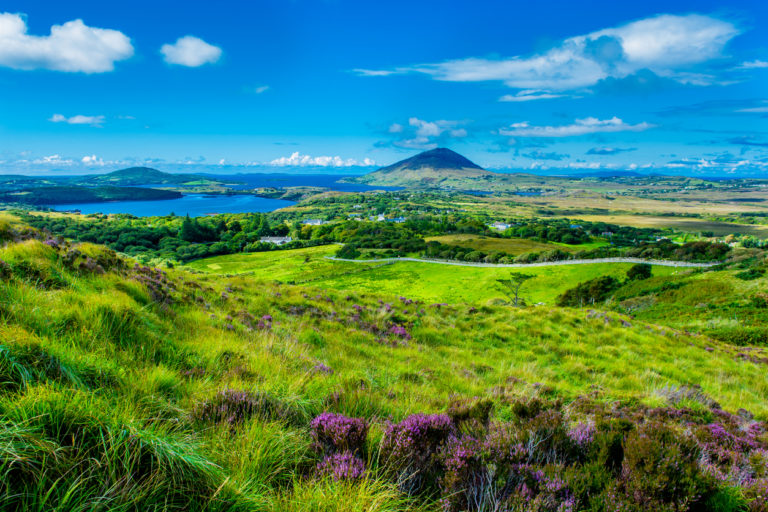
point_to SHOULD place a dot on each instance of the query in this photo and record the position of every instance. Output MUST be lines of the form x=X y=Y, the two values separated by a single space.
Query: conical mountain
x=431 y=168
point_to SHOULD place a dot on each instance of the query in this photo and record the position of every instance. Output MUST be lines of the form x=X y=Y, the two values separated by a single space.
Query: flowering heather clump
x=265 y=323
x=660 y=471
x=409 y=447
x=333 y=433
x=52 y=243
x=465 y=478
x=157 y=284
x=582 y=434
x=322 y=368
x=406 y=301
x=235 y=407
x=399 y=331
x=342 y=466
x=553 y=496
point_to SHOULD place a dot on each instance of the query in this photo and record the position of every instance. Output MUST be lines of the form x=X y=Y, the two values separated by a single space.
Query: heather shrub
x=335 y=433
x=409 y=448
x=466 y=483
x=235 y=407
x=660 y=472
x=471 y=413
x=342 y=466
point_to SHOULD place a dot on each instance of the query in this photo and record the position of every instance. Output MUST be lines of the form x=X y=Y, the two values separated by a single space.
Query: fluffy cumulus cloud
x=78 y=119
x=73 y=47
x=190 y=51
x=421 y=134
x=584 y=126
x=668 y=45
x=92 y=161
x=298 y=160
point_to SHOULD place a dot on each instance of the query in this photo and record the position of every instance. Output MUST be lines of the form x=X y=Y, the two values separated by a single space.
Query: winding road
x=661 y=263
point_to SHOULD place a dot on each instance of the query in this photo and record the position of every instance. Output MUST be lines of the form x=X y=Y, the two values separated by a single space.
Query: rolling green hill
x=125 y=387
x=141 y=176
x=77 y=194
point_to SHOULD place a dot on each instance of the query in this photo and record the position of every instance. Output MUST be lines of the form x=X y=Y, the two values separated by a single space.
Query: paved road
x=662 y=263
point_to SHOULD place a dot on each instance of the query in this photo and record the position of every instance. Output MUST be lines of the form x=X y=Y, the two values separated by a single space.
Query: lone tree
x=511 y=286
x=639 y=272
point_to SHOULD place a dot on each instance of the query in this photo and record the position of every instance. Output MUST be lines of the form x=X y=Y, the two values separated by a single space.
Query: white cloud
x=754 y=64
x=668 y=45
x=73 y=47
x=421 y=134
x=374 y=72
x=260 y=89
x=78 y=119
x=92 y=160
x=190 y=51
x=530 y=95
x=756 y=110
x=53 y=160
x=298 y=160
x=579 y=127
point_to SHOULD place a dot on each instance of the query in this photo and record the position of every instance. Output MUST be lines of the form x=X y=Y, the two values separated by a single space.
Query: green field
x=426 y=281
x=513 y=246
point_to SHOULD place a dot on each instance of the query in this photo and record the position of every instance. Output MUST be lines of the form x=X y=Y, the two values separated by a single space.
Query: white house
x=501 y=226
x=277 y=240
x=314 y=222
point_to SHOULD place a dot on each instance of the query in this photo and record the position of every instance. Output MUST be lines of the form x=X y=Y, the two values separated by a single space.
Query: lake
x=197 y=205
x=194 y=205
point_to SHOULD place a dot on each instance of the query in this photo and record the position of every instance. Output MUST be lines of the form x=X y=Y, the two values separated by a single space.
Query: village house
x=277 y=240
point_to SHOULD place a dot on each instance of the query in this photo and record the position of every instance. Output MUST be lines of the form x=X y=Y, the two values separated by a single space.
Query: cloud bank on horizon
x=670 y=89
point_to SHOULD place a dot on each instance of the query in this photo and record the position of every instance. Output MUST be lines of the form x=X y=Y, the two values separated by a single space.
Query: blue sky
x=229 y=86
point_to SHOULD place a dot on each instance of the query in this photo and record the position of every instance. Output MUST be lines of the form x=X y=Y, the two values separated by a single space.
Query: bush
x=589 y=292
x=334 y=433
x=639 y=272
x=660 y=472
x=234 y=407
x=750 y=275
x=408 y=450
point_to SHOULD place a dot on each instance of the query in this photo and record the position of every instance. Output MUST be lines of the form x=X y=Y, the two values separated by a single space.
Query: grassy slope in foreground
x=104 y=365
x=425 y=281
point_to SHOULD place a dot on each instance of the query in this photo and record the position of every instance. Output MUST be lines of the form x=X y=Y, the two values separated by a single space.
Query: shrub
x=751 y=274
x=408 y=449
x=333 y=433
x=639 y=271
x=660 y=472
x=235 y=407
x=342 y=466
x=589 y=292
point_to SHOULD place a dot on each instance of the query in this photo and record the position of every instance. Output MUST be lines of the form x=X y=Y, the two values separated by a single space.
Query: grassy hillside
x=125 y=387
x=76 y=194
x=425 y=281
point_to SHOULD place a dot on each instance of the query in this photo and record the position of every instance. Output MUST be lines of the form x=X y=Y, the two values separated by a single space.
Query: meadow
x=285 y=381
x=425 y=281
x=513 y=246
